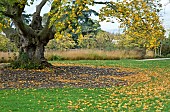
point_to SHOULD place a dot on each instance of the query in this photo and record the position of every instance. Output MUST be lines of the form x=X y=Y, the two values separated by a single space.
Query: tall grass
x=89 y=54
x=82 y=54
x=7 y=56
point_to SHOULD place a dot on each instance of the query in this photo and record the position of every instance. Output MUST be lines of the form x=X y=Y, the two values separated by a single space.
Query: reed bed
x=81 y=54
x=89 y=54
x=7 y=56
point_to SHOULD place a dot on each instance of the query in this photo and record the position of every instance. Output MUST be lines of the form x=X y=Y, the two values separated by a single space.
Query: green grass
x=72 y=99
x=148 y=96
x=48 y=99
x=130 y=63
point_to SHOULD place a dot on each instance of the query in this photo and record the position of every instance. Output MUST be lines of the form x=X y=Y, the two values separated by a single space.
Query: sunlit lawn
x=151 y=95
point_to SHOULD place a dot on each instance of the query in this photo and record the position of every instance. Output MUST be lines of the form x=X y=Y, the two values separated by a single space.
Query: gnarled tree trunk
x=33 y=48
x=30 y=39
x=32 y=42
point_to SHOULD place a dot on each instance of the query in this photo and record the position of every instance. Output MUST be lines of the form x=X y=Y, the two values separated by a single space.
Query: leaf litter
x=61 y=76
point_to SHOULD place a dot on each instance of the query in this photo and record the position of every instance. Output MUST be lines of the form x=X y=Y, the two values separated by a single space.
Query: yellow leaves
x=136 y=17
x=1 y=25
x=58 y=36
x=120 y=9
x=69 y=35
x=141 y=23
x=70 y=27
x=5 y=23
x=65 y=7
x=138 y=96
x=144 y=5
x=81 y=36
x=22 y=3
x=78 y=30
x=73 y=30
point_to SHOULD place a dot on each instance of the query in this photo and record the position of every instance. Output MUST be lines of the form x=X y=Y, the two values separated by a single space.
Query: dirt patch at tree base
x=64 y=76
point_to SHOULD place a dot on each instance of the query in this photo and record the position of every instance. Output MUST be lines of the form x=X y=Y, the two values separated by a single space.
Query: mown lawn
x=129 y=63
x=150 y=95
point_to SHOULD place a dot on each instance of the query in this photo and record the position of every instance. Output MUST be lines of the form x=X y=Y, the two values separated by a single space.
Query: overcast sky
x=114 y=27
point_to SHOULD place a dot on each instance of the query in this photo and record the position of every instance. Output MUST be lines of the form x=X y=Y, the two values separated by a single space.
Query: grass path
x=150 y=64
x=154 y=59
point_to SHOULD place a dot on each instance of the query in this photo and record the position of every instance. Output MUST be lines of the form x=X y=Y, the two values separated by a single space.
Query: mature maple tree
x=33 y=37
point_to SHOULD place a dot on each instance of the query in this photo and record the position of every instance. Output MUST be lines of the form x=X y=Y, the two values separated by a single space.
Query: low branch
x=19 y=24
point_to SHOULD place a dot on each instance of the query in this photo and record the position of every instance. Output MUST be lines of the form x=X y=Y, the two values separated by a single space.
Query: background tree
x=86 y=26
x=87 y=41
x=6 y=45
x=165 y=49
x=62 y=43
x=141 y=23
x=104 y=41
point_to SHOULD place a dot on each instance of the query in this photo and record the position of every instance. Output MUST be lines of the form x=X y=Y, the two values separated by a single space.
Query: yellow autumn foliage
x=140 y=21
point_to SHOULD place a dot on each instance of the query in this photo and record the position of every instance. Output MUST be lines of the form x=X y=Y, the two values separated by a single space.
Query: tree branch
x=46 y=27
x=20 y=25
x=7 y=14
x=40 y=6
x=36 y=23
x=101 y=2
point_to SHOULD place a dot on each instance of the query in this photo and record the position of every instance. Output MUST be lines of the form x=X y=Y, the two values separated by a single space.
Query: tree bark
x=33 y=48
x=33 y=51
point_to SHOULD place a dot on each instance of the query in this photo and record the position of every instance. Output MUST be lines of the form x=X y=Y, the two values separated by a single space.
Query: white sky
x=114 y=27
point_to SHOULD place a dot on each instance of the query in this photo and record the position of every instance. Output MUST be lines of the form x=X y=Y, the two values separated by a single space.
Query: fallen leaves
x=60 y=76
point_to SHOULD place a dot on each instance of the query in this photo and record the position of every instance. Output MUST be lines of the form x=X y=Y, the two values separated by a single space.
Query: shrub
x=55 y=57
x=168 y=55
x=23 y=62
x=158 y=56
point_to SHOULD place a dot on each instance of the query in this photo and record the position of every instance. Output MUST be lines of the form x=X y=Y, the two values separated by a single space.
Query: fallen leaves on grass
x=144 y=90
x=61 y=76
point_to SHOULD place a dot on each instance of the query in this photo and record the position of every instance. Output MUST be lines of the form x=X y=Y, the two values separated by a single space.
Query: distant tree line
x=102 y=40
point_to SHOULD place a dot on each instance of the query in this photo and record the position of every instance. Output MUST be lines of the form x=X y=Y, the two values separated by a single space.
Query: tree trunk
x=31 y=52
